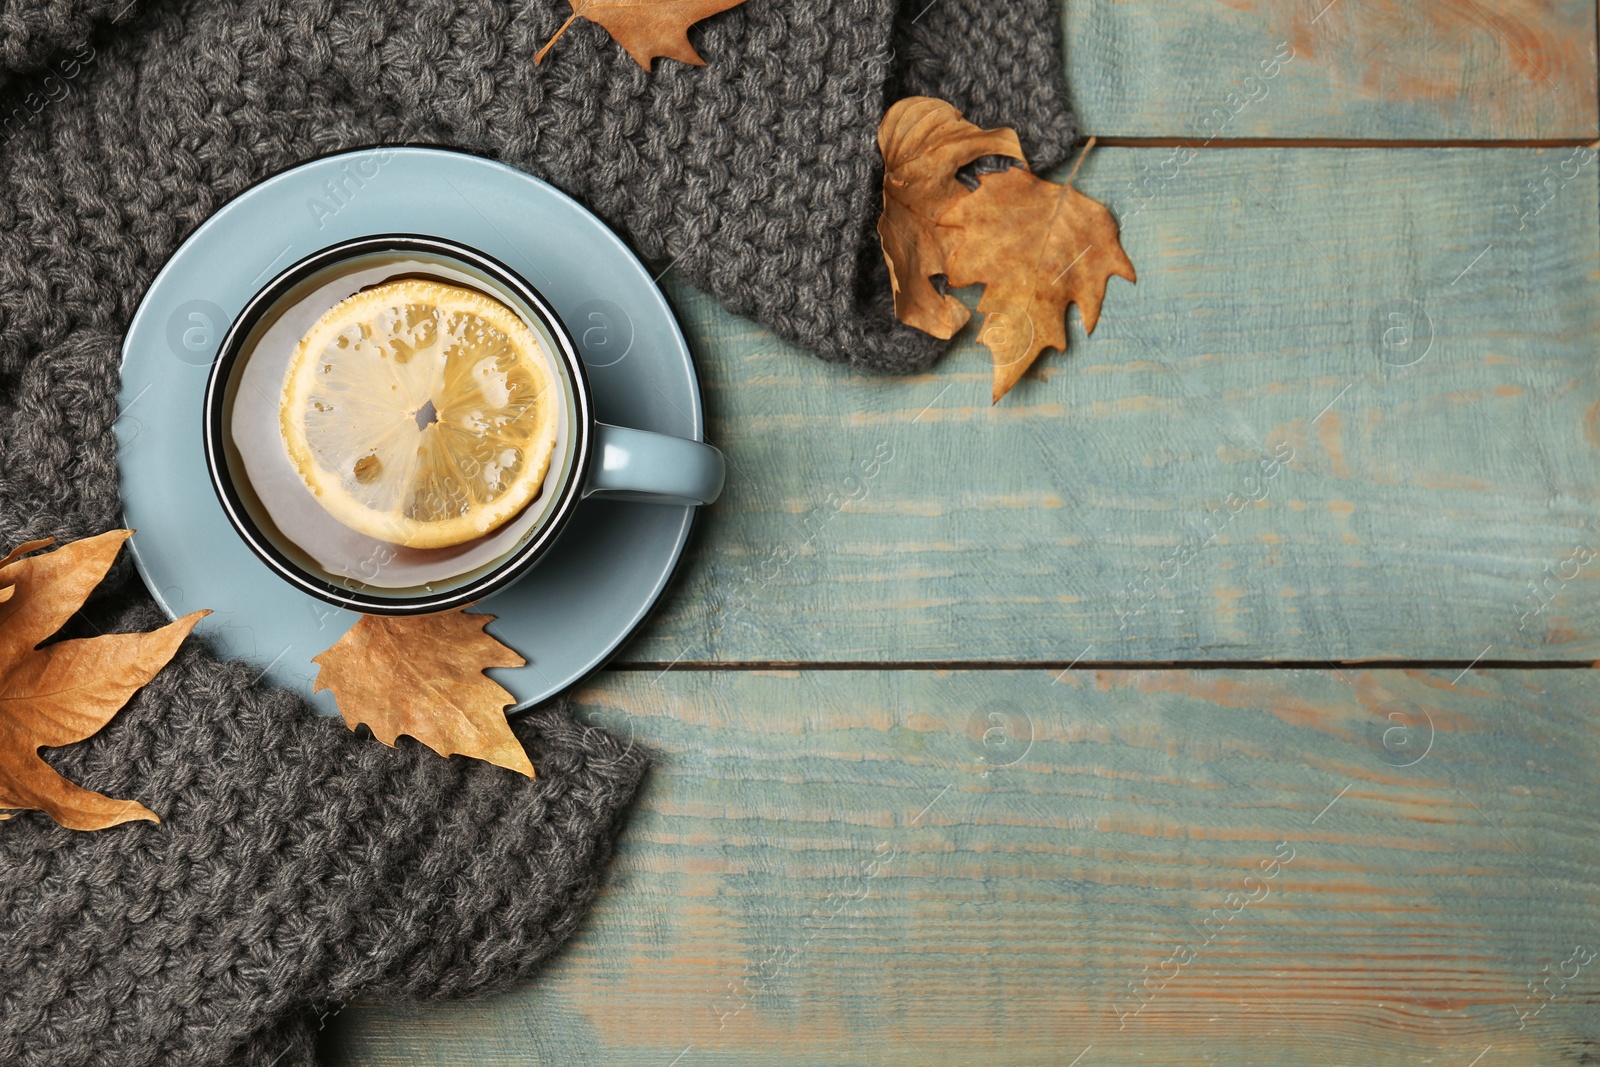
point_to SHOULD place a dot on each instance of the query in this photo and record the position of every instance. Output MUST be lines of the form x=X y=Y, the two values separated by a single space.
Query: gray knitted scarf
x=298 y=866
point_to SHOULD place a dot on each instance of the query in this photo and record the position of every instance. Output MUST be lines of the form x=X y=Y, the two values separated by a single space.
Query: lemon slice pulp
x=420 y=413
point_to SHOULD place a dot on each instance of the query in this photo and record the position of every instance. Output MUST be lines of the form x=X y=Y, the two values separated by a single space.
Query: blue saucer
x=609 y=567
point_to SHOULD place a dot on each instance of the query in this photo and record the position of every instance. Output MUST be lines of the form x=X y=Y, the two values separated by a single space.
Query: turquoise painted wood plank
x=1364 y=69
x=918 y=867
x=1392 y=350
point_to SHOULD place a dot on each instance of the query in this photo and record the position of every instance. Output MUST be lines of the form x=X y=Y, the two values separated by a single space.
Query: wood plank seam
x=1088 y=665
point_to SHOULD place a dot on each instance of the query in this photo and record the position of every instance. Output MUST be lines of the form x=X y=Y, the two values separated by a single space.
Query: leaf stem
x=1081 y=156
x=539 y=57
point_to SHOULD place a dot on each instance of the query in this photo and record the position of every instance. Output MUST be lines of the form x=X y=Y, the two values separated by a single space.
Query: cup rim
x=502 y=574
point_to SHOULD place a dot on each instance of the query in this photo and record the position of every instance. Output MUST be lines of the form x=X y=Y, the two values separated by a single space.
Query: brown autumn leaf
x=646 y=28
x=422 y=676
x=924 y=142
x=1036 y=247
x=67 y=691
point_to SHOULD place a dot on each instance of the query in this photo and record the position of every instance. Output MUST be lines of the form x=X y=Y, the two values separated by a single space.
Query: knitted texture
x=755 y=176
x=33 y=31
x=297 y=867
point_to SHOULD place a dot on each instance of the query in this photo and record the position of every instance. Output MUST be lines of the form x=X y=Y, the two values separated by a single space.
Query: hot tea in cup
x=400 y=424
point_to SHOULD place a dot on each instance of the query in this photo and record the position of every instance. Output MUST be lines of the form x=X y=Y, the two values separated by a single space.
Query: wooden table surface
x=1038 y=744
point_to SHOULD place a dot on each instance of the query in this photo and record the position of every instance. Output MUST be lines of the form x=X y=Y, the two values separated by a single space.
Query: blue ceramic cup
x=277 y=517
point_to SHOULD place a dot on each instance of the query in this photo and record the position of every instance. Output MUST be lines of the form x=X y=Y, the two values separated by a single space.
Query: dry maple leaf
x=66 y=691
x=924 y=142
x=1036 y=247
x=422 y=676
x=646 y=28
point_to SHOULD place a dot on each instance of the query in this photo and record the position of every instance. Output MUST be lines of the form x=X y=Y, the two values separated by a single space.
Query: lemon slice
x=420 y=413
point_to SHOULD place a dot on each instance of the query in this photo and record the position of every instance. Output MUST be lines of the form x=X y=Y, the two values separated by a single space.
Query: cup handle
x=653 y=467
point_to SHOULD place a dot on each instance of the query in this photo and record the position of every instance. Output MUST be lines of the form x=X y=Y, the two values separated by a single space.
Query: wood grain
x=1017 y=866
x=974 y=867
x=1445 y=69
x=1388 y=317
